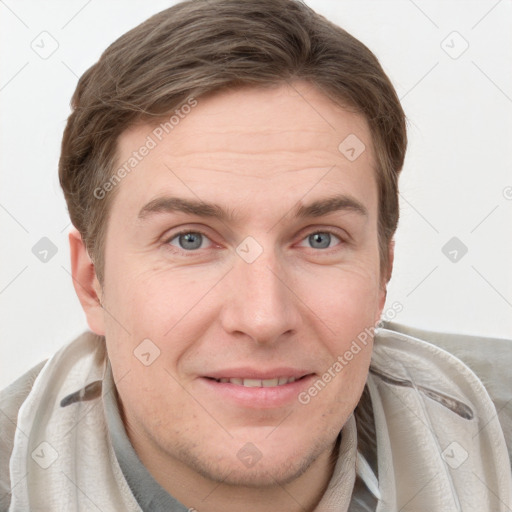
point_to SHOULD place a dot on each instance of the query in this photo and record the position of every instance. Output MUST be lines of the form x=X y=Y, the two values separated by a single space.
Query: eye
x=321 y=240
x=189 y=240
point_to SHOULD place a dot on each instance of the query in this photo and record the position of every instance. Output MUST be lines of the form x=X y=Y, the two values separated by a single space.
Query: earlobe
x=86 y=283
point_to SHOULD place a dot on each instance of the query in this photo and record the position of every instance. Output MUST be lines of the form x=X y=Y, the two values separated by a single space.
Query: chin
x=263 y=470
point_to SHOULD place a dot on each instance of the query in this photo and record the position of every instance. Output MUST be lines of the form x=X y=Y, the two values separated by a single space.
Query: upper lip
x=252 y=373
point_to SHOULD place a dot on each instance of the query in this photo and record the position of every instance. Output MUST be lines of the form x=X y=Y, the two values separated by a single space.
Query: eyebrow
x=330 y=205
x=318 y=208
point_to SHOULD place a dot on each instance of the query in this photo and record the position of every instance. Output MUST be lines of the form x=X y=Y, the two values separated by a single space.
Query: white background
x=457 y=179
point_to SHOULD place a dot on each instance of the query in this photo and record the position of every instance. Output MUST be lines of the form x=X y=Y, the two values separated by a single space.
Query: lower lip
x=257 y=397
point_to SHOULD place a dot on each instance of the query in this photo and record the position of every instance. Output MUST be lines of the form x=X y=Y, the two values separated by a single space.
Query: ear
x=391 y=259
x=385 y=278
x=87 y=286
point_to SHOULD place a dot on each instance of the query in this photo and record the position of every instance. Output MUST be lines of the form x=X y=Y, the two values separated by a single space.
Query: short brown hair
x=203 y=46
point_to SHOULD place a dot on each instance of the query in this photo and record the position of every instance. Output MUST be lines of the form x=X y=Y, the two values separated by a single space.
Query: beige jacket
x=441 y=430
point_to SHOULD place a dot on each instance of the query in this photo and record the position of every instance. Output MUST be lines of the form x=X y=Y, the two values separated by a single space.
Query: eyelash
x=342 y=241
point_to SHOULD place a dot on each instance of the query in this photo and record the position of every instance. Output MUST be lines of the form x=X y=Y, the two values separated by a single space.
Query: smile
x=251 y=392
x=258 y=383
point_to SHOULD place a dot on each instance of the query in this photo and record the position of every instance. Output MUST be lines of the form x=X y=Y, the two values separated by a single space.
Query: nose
x=259 y=301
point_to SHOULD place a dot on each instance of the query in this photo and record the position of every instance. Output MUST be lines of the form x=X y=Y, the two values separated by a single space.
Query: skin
x=258 y=153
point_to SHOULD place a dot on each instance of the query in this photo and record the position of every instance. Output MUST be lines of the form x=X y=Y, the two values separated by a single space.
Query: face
x=241 y=261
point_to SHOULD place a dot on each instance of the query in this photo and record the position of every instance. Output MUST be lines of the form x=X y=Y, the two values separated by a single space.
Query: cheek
x=346 y=307
x=160 y=291
x=346 y=300
x=155 y=315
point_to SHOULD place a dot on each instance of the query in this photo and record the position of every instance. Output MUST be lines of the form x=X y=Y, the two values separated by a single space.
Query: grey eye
x=189 y=241
x=320 y=240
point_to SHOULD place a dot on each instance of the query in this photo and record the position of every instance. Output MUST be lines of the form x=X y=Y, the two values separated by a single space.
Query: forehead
x=249 y=143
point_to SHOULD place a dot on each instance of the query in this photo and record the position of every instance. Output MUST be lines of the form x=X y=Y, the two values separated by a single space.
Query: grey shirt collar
x=150 y=495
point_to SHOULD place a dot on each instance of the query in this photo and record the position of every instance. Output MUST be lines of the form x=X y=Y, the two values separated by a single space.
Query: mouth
x=257 y=383
x=254 y=391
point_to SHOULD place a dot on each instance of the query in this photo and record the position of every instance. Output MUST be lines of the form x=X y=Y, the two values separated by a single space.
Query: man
x=231 y=171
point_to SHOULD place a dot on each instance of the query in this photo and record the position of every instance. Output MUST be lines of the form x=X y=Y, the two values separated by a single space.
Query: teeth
x=259 y=383
x=252 y=383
